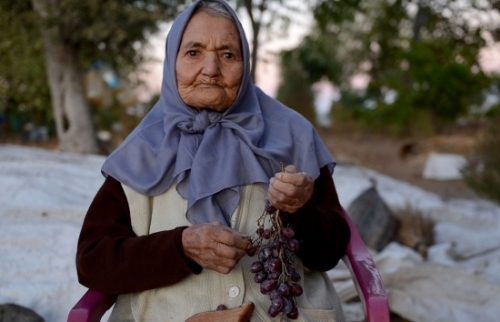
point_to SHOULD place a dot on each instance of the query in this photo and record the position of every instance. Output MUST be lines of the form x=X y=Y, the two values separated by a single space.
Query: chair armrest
x=366 y=277
x=91 y=307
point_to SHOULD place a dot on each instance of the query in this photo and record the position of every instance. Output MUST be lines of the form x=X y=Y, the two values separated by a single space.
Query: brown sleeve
x=320 y=227
x=112 y=259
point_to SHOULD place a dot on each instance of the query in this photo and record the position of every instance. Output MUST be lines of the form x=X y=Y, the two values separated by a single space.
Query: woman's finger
x=300 y=179
x=290 y=191
x=213 y=245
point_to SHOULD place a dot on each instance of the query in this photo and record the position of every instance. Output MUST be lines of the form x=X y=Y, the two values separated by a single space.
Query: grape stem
x=270 y=233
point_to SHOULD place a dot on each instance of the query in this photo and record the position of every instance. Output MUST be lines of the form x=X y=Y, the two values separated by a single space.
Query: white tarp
x=44 y=197
x=460 y=281
x=421 y=290
x=443 y=166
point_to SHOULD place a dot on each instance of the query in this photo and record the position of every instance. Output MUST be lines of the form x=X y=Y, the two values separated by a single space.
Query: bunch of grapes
x=274 y=270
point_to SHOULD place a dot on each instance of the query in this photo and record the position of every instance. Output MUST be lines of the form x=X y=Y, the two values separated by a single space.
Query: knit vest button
x=234 y=291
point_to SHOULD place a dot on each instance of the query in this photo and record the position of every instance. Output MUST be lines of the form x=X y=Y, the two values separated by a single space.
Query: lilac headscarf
x=210 y=154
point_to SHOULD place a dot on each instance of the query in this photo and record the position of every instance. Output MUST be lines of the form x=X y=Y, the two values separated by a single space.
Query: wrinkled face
x=209 y=64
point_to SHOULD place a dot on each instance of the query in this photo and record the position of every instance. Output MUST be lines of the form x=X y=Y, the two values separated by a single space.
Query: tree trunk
x=255 y=50
x=255 y=37
x=72 y=114
x=421 y=18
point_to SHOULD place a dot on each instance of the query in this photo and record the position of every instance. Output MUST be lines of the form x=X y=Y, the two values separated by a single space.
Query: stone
x=16 y=313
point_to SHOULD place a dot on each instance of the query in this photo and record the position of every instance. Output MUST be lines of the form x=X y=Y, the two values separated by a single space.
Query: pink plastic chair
x=92 y=306
x=366 y=277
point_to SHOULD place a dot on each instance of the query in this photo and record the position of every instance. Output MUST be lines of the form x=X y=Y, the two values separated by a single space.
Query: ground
x=402 y=159
x=466 y=228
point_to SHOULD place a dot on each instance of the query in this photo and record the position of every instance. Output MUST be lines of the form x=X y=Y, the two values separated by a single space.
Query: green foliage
x=386 y=119
x=317 y=54
x=113 y=31
x=295 y=91
x=483 y=173
x=24 y=93
x=424 y=52
x=313 y=60
x=433 y=81
x=336 y=12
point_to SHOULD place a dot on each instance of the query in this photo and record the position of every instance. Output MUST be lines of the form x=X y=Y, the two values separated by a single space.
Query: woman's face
x=209 y=64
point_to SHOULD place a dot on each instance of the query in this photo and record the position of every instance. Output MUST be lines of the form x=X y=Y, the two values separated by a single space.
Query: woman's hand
x=215 y=246
x=290 y=190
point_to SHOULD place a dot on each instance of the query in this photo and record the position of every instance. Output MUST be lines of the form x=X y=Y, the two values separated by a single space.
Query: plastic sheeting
x=44 y=197
x=460 y=281
x=443 y=166
x=426 y=291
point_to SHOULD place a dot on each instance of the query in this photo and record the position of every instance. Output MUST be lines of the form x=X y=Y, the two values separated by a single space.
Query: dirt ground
x=402 y=159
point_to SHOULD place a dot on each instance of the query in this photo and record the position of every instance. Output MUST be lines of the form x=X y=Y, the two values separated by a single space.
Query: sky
x=490 y=58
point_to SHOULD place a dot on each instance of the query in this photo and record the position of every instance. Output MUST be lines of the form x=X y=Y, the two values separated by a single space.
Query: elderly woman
x=169 y=229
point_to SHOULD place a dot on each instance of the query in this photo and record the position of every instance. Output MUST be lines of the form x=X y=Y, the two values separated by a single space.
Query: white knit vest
x=204 y=292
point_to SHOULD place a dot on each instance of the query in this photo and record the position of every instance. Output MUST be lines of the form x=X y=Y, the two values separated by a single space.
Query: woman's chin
x=211 y=98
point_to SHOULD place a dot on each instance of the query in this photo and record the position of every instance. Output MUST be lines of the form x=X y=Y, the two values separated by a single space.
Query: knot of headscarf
x=200 y=122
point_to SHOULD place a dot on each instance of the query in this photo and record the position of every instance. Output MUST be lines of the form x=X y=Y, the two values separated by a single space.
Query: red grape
x=265 y=253
x=288 y=305
x=260 y=277
x=251 y=251
x=297 y=289
x=269 y=208
x=274 y=294
x=273 y=312
x=277 y=303
x=294 y=314
x=267 y=286
x=256 y=267
x=287 y=232
x=293 y=244
x=274 y=270
x=275 y=265
x=274 y=275
x=284 y=289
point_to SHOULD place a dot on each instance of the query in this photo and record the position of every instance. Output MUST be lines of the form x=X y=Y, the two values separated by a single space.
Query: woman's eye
x=192 y=53
x=228 y=55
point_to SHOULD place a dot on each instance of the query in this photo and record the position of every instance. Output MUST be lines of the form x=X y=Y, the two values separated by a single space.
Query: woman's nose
x=211 y=65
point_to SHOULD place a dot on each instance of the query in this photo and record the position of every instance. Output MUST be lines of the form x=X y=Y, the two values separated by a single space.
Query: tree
x=296 y=91
x=483 y=172
x=76 y=33
x=24 y=95
x=72 y=34
x=269 y=18
x=421 y=56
